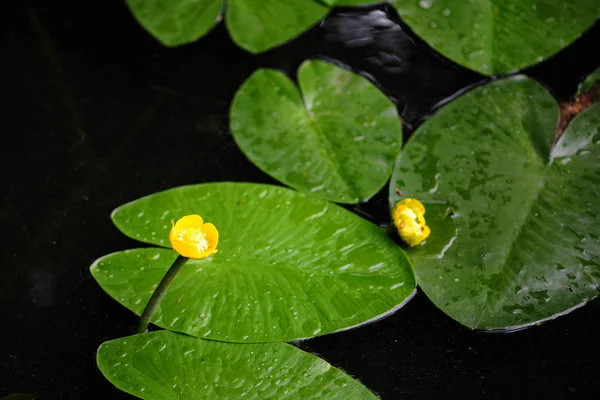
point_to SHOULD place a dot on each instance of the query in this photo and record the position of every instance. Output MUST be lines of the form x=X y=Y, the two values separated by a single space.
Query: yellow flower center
x=192 y=238
x=195 y=237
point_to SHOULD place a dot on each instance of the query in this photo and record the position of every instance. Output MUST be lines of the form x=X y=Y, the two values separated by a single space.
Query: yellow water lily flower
x=192 y=238
x=410 y=222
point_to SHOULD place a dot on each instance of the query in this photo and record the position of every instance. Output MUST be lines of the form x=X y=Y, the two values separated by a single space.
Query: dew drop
x=426 y=4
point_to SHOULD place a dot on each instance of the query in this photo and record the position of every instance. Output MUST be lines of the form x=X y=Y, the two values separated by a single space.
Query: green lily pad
x=289 y=265
x=589 y=81
x=166 y=365
x=349 y=3
x=258 y=25
x=495 y=37
x=254 y=25
x=337 y=136
x=176 y=22
x=519 y=238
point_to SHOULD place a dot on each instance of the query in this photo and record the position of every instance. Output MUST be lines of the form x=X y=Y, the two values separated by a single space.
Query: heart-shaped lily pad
x=495 y=37
x=255 y=25
x=166 y=365
x=337 y=137
x=518 y=219
x=258 y=25
x=289 y=265
x=176 y=22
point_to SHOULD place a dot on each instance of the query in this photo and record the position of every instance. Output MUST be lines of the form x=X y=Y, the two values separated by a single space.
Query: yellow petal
x=426 y=232
x=398 y=210
x=212 y=235
x=410 y=222
x=187 y=249
x=172 y=233
x=189 y=221
x=209 y=252
x=191 y=238
x=415 y=205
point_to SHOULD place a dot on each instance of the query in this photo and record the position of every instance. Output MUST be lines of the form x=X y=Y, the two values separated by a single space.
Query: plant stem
x=366 y=215
x=160 y=292
x=387 y=227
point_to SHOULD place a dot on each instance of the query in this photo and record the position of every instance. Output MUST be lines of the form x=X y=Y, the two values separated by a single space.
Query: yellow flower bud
x=192 y=238
x=410 y=222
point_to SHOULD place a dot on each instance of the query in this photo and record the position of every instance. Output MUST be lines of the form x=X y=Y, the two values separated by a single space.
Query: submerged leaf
x=289 y=265
x=526 y=219
x=166 y=365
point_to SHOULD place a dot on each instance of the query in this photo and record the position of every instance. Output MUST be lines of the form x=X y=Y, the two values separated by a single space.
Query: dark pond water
x=96 y=113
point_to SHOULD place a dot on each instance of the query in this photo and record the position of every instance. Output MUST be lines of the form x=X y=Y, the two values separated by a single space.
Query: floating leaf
x=289 y=265
x=254 y=25
x=176 y=22
x=495 y=37
x=348 y=3
x=336 y=137
x=258 y=25
x=166 y=365
x=590 y=81
x=520 y=232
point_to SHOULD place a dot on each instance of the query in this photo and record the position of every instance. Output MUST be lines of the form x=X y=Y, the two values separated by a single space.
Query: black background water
x=95 y=113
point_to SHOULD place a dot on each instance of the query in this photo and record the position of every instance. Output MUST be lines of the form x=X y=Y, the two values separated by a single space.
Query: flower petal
x=189 y=221
x=193 y=239
x=187 y=249
x=415 y=205
x=208 y=253
x=408 y=216
x=211 y=235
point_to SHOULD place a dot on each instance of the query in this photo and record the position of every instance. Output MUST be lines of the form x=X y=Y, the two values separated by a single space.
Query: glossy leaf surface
x=258 y=25
x=254 y=25
x=348 y=3
x=176 y=22
x=337 y=137
x=495 y=37
x=289 y=265
x=515 y=222
x=166 y=365
x=590 y=80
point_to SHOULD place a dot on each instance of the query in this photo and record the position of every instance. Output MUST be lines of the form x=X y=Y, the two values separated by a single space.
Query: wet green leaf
x=176 y=22
x=165 y=365
x=347 y=3
x=519 y=237
x=289 y=265
x=337 y=136
x=258 y=25
x=254 y=25
x=495 y=37
x=589 y=81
